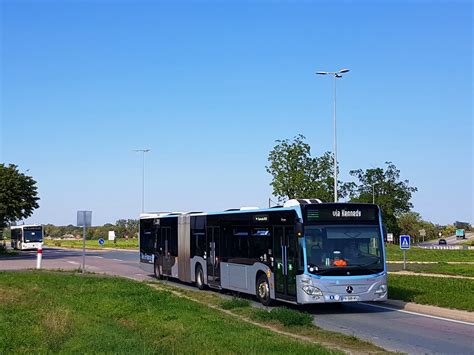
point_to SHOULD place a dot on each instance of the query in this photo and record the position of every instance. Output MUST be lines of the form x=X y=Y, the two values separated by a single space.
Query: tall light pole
x=373 y=191
x=337 y=74
x=143 y=151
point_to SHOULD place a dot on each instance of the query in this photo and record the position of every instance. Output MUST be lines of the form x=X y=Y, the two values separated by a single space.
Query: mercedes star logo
x=349 y=289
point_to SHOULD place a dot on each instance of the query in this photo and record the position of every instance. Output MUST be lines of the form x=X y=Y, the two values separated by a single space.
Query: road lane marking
x=419 y=314
x=73 y=262
x=96 y=256
x=117 y=259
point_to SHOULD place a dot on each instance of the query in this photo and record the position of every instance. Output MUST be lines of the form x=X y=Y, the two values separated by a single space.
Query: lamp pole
x=337 y=74
x=373 y=192
x=143 y=151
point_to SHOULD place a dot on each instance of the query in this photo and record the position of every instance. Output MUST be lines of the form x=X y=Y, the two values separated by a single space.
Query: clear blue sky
x=209 y=86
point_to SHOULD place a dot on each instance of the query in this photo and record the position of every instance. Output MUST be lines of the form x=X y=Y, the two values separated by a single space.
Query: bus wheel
x=156 y=270
x=263 y=290
x=199 y=278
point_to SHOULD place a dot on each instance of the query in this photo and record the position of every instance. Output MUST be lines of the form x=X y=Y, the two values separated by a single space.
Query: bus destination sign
x=341 y=213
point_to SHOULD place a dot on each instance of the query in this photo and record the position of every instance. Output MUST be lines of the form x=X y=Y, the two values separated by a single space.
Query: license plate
x=350 y=298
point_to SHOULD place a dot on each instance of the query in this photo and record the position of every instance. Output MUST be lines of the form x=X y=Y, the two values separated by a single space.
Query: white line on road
x=95 y=256
x=72 y=262
x=117 y=259
x=419 y=314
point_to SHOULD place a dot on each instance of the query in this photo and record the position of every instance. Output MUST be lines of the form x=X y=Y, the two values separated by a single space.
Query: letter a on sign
x=404 y=242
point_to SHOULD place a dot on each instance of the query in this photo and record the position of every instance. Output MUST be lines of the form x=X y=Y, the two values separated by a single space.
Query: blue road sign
x=404 y=242
x=101 y=241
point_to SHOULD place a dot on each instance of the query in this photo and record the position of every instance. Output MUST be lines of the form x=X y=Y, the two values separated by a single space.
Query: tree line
x=297 y=174
x=123 y=228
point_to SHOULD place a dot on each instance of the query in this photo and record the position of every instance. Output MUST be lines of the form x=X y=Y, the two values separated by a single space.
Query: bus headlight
x=382 y=289
x=312 y=291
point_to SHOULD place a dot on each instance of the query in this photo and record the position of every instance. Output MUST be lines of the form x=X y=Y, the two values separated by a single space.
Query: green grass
x=394 y=253
x=94 y=244
x=469 y=242
x=436 y=291
x=287 y=317
x=439 y=268
x=8 y=251
x=58 y=312
x=235 y=302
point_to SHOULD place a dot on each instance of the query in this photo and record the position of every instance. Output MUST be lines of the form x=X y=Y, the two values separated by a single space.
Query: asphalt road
x=450 y=240
x=389 y=328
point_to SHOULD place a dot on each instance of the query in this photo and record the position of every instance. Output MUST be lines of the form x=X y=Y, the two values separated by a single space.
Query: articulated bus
x=302 y=252
x=26 y=236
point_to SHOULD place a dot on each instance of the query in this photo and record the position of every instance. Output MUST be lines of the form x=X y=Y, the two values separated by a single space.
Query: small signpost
x=404 y=245
x=101 y=242
x=422 y=234
x=390 y=237
x=84 y=219
x=112 y=235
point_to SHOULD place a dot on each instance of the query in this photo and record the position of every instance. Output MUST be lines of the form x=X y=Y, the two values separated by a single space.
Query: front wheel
x=156 y=269
x=263 y=290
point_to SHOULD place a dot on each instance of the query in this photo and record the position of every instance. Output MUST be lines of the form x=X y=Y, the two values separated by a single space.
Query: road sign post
x=404 y=245
x=390 y=237
x=84 y=219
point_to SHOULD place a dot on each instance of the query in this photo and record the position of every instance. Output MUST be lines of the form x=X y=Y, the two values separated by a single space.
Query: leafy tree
x=18 y=195
x=384 y=186
x=296 y=174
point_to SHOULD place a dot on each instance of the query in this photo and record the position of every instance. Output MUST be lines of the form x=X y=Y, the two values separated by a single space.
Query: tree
x=296 y=174
x=384 y=186
x=18 y=195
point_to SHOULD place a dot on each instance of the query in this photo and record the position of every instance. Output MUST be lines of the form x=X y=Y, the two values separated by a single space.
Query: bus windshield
x=343 y=249
x=32 y=235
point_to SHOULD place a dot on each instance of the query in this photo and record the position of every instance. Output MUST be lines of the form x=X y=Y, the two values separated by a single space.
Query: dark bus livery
x=302 y=252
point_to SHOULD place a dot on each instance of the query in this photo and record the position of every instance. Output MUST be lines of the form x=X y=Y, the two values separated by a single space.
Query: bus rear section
x=27 y=237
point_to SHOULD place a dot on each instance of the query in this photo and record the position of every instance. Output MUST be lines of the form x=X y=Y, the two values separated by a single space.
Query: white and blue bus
x=302 y=252
x=26 y=236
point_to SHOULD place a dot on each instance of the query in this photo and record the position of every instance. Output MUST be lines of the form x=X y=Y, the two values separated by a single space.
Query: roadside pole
x=83 y=248
x=404 y=245
x=39 y=257
x=84 y=219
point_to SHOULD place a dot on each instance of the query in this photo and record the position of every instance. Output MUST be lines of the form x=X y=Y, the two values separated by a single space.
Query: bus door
x=285 y=262
x=167 y=259
x=213 y=256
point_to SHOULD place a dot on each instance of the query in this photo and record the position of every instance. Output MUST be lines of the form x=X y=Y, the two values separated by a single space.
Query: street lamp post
x=337 y=74
x=373 y=191
x=143 y=151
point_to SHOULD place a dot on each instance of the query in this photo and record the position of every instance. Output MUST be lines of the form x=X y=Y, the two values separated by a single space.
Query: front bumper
x=341 y=289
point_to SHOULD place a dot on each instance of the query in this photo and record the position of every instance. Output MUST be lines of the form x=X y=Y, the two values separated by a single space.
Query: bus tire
x=199 y=277
x=156 y=269
x=263 y=290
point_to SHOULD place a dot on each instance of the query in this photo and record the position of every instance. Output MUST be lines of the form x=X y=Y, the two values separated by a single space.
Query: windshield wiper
x=368 y=264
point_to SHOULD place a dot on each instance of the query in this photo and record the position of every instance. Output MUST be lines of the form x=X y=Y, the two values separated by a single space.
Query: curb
x=454 y=314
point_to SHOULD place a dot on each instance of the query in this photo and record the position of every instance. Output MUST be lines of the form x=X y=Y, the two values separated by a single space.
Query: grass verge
x=435 y=291
x=94 y=244
x=438 y=268
x=114 y=315
x=8 y=252
x=394 y=253
x=276 y=320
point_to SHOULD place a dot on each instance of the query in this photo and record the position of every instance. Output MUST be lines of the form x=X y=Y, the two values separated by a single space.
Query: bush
x=235 y=303
x=287 y=317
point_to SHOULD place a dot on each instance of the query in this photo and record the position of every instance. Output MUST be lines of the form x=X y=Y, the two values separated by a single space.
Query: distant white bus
x=27 y=236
